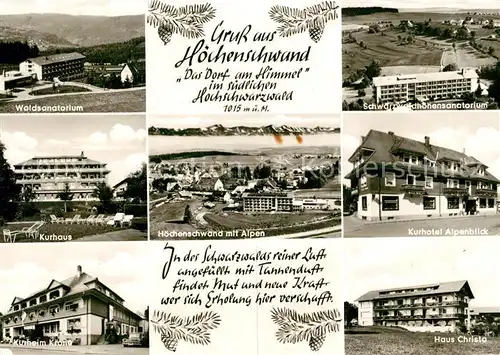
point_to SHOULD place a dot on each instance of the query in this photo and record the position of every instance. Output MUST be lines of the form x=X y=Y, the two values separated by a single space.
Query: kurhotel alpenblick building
x=396 y=177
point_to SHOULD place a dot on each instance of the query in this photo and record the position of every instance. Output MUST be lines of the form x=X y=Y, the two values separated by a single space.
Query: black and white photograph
x=73 y=178
x=74 y=299
x=226 y=178
x=428 y=55
x=432 y=296
x=73 y=56
x=432 y=174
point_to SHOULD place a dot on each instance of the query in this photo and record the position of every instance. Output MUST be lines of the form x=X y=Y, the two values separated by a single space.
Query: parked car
x=136 y=339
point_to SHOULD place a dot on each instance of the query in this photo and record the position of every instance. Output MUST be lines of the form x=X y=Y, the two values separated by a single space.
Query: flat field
x=399 y=342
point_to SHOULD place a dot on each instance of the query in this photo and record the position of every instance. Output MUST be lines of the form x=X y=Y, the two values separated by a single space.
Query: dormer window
x=33 y=302
x=43 y=298
x=410 y=159
x=24 y=305
x=480 y=171
x=54 y=294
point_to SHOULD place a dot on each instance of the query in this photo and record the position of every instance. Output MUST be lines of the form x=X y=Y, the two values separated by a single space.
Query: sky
x=75 y=7
x=373 y=264
x=241 y=120
x=118 y=140
x=455 y=130
x=456 y=4
x=121 y=268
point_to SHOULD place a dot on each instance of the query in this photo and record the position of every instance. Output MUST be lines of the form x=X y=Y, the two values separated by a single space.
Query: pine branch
x=195 y=329
x=293 y=21
x=295 y=327
x=186 y=20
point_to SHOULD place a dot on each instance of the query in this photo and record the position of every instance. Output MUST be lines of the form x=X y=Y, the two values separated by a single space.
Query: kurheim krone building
x=397 y=177
x=441 y=307
x=78 y=309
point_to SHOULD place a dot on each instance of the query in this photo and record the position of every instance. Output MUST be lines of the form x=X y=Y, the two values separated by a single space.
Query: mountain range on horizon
x=220 y=130
x=54 y=30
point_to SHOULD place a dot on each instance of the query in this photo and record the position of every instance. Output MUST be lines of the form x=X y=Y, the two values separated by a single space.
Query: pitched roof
x=207 y=182
x=137 y=68
x=56 y=58
x=385 y=146
x=420 y=290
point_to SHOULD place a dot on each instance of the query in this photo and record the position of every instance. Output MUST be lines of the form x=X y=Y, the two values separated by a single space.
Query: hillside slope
x=76 y=30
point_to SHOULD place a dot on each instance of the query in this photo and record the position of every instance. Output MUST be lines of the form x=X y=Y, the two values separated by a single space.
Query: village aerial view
x=229 y=182
x=59 y=62
x=426 y=58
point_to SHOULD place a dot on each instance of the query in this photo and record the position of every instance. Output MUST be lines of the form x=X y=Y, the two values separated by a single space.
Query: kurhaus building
x=65 y=66
x=424 y=86
x=396 y=177
x=48 y=176
x=441 y=307
x=78 y=309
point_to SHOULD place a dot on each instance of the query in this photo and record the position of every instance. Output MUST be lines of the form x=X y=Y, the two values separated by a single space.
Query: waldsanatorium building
x=424 y=86
x=77 y=309
x=48 y=176
x=442 y=307
x=65 y=66
x=396 y=177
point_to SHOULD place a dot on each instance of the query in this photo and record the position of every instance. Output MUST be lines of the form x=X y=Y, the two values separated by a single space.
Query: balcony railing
x=486 y=192
x=413 y=189
x=46 y=317
x=422 y=305
x=455 y=191
x=420 y=316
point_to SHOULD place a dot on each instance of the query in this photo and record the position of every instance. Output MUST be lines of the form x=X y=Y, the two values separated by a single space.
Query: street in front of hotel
x=473 y=225
x=90 y=350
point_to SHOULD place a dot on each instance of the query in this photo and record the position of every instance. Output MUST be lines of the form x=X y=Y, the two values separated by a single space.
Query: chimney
x=427 y=140
x=363 y=139
x=79 y=271
x=463 y=151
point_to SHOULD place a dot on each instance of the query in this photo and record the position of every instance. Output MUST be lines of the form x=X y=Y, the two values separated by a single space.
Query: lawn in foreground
x=76 y=231
x=387 y=341
x=116 y=101
x=60 y=90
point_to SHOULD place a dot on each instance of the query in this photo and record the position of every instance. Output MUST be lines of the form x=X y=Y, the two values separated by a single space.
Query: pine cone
x=316 y=342
x=170 y=343
x=315 y=33
x=165 y=33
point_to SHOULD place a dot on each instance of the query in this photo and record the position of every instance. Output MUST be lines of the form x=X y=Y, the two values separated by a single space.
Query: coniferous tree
x=9 y=190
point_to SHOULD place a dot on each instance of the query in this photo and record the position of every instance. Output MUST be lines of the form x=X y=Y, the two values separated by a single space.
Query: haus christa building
x=442 y=307
x=79 y=309
x=396 y=177
x=48 y=176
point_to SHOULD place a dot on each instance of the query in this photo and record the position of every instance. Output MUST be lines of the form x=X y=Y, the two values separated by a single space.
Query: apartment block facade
x=396 y=177
x=442 y=307
x=48 y=176
x=78 y=309
x=65 y=66
x=424 y=86
x=267 y=202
